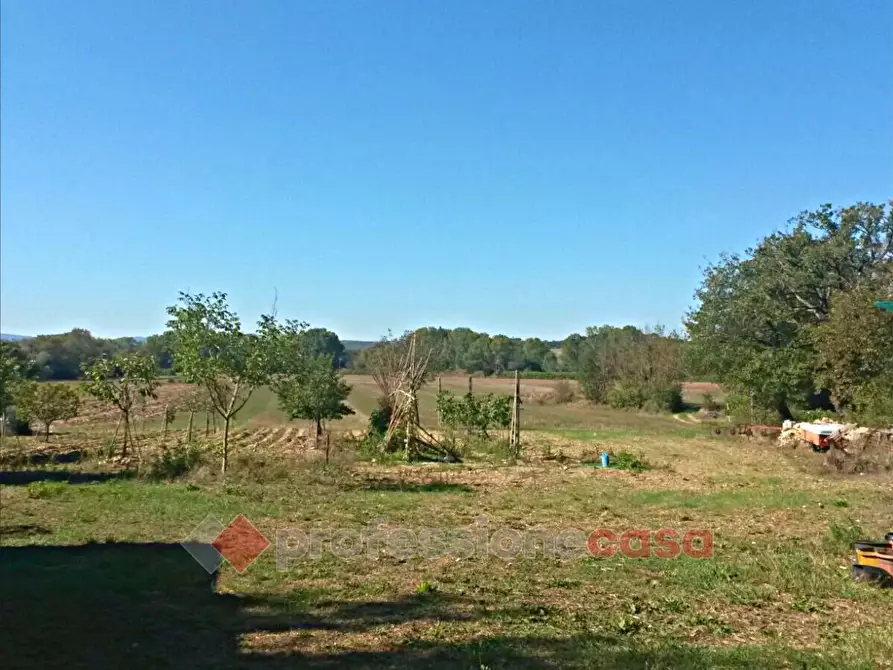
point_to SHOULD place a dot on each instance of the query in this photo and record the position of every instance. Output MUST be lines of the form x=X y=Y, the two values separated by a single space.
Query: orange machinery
x=874 y=561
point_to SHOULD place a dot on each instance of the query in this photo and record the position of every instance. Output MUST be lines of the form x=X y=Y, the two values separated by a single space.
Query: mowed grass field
x=94 y=575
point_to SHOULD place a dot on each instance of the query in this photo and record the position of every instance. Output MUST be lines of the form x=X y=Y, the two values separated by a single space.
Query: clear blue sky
x=528 y=168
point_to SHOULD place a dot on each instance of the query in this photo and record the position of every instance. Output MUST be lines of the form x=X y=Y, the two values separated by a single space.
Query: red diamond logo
x=240 y=543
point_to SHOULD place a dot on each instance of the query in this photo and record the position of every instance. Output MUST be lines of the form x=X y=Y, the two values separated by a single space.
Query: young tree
x=122 y=381
x=318 y=393
x=47 y=403
x=196 y=401
x=211 y=350
x=10 y=373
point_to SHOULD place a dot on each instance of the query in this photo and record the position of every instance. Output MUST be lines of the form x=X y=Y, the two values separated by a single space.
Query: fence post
x=515 y=434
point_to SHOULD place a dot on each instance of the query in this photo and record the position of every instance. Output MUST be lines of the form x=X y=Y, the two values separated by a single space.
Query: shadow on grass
x=15 y=530
x=399 y=486
x=20 y=460
x=23 y=477
x=281 y=614
x=152 y=606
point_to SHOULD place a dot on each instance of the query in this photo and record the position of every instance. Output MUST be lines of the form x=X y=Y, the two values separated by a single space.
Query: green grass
x=94 y=575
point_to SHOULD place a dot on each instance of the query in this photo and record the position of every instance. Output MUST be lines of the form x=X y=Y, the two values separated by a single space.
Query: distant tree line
x=462 y=349
x=64 y=356
x=599 y=358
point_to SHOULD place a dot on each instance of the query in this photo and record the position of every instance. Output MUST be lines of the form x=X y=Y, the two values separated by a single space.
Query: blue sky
x=528 y=168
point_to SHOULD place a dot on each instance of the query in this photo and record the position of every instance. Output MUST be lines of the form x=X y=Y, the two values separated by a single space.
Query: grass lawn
x=94 y=575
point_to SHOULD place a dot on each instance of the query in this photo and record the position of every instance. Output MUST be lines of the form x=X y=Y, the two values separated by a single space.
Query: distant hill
x=9 y=337
x=356 y=345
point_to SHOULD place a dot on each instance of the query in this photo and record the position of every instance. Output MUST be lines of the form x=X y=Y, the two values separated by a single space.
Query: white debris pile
x=819 y=434
x=791 y=435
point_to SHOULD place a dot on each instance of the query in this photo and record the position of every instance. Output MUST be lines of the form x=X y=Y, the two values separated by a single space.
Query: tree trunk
x=225 y=445
x=318 y=432
x=189 y=428
x=784 y=411
x=46 y=437
x=126 y=433
x=207 y=424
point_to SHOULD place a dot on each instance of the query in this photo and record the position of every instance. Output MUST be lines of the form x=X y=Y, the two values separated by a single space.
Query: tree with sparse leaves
x=210 y=349
x=47 y=403
x=122 y=381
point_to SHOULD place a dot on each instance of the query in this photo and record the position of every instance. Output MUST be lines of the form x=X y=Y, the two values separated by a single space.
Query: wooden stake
x=515 y=430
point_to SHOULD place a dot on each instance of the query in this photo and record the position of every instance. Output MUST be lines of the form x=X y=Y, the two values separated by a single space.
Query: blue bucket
x=604 y=460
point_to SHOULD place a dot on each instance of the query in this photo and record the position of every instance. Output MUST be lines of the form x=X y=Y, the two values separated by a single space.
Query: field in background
x=262 y=409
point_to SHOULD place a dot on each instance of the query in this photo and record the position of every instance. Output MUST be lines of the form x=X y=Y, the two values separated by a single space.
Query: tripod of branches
x=400 y=368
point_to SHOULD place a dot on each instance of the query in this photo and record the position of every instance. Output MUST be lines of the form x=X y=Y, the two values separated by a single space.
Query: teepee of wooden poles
x=402 y=372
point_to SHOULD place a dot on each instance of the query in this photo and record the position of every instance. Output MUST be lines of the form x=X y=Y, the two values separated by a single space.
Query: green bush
x=874 y=404
x=380 y=419
x=477 y=414
x=177 y=461
x=648 y=397
x=741 y=409
x=667 y=399
x=629 y=397
x=624 y=460
x=46 y=489
x=812 y=415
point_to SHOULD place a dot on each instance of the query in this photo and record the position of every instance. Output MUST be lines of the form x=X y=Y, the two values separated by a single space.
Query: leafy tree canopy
x=755 y=324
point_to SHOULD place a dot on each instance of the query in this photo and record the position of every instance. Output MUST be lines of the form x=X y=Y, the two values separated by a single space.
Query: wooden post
x=515 y=431
x=470 y=388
